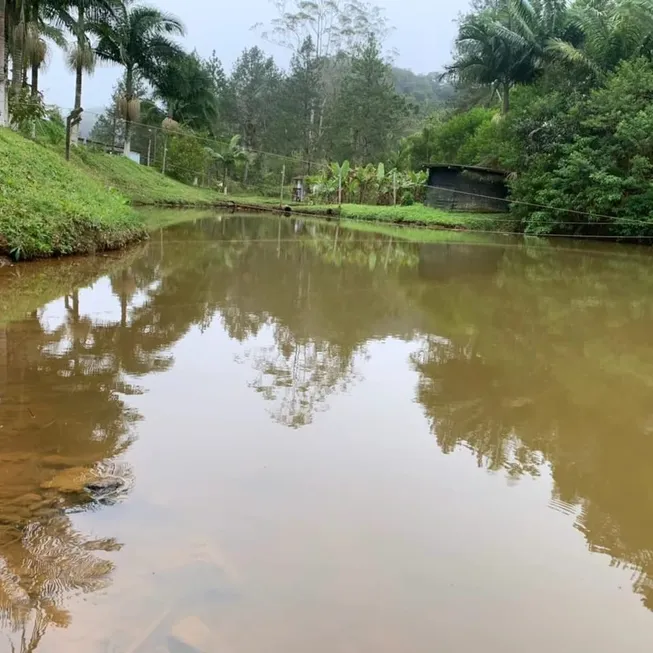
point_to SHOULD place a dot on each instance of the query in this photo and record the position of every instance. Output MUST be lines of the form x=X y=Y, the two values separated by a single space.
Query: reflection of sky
x=355 y=523
x=98 y=303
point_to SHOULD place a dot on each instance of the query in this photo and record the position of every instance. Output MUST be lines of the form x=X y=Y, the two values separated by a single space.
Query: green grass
x=142 y=185
x=416 y=214
x=48 y=208
x=420 y=234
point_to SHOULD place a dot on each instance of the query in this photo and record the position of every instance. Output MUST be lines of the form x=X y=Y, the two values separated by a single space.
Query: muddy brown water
x=259 y=434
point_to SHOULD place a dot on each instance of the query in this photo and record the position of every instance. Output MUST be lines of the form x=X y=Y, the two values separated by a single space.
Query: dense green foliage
x=564 y=92
x=47 y=207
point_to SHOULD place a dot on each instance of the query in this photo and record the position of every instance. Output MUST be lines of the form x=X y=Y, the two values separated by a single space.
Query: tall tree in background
x=254 y=97
x=368 y=108
x=334 y=27
x=138 y=38
x=303 y=95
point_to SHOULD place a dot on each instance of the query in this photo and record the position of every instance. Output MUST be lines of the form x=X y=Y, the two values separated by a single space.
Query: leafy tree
x=254 y=95
x=507 y=45
x=589 y=163
x=603 y=33
x=229 y=157
x=187 y=87
x=138 y=38
x=304 y=95
x=367 y=109
x=332 y=25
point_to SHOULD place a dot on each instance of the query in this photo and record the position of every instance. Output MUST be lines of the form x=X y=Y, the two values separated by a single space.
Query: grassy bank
x=142 y=185
x=416 y=214
x=48 y=208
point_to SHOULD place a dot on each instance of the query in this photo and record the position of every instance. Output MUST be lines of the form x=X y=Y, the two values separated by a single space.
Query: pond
x=265 y=434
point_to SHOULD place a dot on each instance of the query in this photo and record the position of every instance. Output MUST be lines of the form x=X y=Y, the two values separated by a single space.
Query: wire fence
x=214 y=163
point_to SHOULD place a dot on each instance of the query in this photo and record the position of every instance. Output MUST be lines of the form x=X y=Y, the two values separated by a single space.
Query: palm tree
x=508 y=45
x=229 y=156
x=604 y=33
x=188 y=91
x=138 y=38
x=78 y=16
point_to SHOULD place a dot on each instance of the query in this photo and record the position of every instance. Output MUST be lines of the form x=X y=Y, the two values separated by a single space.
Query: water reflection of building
x=441 y=261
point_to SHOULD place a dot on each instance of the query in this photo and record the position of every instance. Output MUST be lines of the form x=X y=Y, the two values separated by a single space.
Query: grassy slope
x=47 y=208
x=142 y=185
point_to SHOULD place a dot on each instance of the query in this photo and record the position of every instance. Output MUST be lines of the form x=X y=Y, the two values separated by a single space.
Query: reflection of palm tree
x=59 y=412
x=39 y=569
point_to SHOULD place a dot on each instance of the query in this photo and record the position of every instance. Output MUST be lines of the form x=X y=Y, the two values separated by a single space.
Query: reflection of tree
x=550 y=360
x=301 y=292
x=61 y=417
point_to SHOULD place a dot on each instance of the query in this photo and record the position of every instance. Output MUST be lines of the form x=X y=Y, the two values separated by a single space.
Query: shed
x=467 y=188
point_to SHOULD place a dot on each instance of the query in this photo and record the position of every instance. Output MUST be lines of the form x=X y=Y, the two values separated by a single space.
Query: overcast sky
x=423 y=34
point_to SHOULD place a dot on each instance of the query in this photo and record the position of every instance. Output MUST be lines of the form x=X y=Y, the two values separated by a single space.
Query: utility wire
x=593 y=216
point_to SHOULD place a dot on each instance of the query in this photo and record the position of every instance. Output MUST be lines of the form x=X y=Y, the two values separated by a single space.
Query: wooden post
x=394 y=186
x=73 y=119
x=165 y=154
x=283 y=181
x=339 y=187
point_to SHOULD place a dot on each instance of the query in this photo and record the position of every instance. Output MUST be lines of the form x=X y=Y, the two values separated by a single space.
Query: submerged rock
x=105 y=483
x=188 y=635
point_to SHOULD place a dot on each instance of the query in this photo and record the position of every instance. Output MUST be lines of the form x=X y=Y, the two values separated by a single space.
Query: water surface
x=258 y=434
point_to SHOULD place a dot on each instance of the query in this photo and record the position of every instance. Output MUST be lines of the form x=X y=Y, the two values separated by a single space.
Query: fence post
x=149 y=149
x=394 y=186
x=339 y=187
x=283 y=181
x=165 y=155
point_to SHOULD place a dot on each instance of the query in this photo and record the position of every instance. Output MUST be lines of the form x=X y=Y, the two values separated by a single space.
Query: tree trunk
x=34 y=17
x=3 y=66
x=18 y=55
x=79 y=72
x=79 y=77
x=35 y=79
x=129 y=92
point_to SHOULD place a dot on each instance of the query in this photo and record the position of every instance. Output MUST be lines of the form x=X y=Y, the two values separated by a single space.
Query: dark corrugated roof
x=458 y=166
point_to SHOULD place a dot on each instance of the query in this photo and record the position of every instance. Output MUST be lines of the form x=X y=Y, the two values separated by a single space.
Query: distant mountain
x=425 y=92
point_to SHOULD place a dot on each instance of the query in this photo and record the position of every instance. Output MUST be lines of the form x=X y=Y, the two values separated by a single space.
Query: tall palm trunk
x=17 y=54
x=79 y=72
x=35 y=65
x=3 y=66
x=35 y=79
x=79 y=76
x=129 y=92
